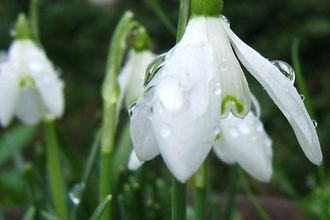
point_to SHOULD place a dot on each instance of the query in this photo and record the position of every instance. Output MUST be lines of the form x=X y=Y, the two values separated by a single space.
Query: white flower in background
x=131 y=76
x=200 y=83
x=29 y=85
x=244 y=141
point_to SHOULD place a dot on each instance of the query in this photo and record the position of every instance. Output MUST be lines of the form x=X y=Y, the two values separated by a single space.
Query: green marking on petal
x=26 y=80
x=231 y=98
x=218 y=137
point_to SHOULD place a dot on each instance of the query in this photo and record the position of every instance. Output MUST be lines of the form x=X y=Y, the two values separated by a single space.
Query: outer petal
x=250 y=145
x=283 y=93
x=235 y=93
x=222 y=149
x=143 y=138
x=186 y=103
x=45 y=77
x=9 y=92
x=30 y=108
x=134 y=163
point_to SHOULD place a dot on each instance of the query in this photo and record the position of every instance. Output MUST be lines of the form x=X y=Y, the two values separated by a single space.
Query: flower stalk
x=179 y=200
x=200 y=184
x=56 y=180
x=110 y=94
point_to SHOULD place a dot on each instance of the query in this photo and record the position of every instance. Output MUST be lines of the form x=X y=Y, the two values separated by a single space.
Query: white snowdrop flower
x=199 y=83
x=29 y=85
x=131 y=75
x=244 y=141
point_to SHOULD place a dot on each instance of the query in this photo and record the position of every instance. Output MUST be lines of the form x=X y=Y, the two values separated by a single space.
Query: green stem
x=110 y=93
x=232 y=193
x=34 y=21
x=262 y=214
x=179 y=191
x=184 y=15
x=56 y=180
x=179 y=200
x=200 y=183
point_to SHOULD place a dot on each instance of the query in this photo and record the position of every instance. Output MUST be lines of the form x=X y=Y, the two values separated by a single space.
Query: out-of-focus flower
x=29 y=85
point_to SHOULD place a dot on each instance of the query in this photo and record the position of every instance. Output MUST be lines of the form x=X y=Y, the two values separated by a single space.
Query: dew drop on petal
x=184 y=85
x=150 y=112
x=165 y=130
x=76 y=193
x=223 y=67
x=217 y=89
x=12 y=33
x=314 y=123
x=302 y=97
x=285 y=69
x=216 y=130
x=233 y=132
x=153 y=68
x=225 y=19
x=258 y=126
x=131 y=110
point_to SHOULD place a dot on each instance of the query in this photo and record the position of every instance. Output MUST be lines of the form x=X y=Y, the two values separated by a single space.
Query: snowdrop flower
x=29 y=85
x=200 y=83
x=131 y=75
x=244 y=141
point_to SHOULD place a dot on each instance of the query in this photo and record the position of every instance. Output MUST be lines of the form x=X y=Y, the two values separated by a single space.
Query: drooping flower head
x=199 y=87
x=29 y=85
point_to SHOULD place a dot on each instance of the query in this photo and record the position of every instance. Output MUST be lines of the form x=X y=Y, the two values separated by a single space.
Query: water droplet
x=302 y=97
x=225 y=19
x=258 y=126
x=148 y=94
x=165 y=130
x=255 y=107
x=216 y=130
x=153 y=68
x=314 y=123
x=223 y=67
x=76 y=193
x=184 y=85
x=12 y=33
x=285 y=69
x=131 y=109
x=244 y=128
x=149 y=113
x=233 y=132
x=217 y=89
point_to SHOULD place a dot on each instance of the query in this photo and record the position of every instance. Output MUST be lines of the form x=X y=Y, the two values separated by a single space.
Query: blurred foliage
x=76 y=34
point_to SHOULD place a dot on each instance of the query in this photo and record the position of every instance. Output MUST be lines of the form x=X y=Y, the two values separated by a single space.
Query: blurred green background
x=76 y=35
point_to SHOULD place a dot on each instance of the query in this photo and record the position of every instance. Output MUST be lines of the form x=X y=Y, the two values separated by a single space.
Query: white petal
x=134 y=163
x=30 y=107
x=235 y=93
x=45 y=78
x=283 y=93
x=185 y=106
x=9 y=93
x=250 y=145
x=223 y=151
x=143 y=138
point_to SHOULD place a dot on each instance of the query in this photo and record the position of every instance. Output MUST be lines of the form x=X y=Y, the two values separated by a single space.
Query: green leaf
x=99 y=210
x=21 y=134
x=29 y=215
x=160 y=12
